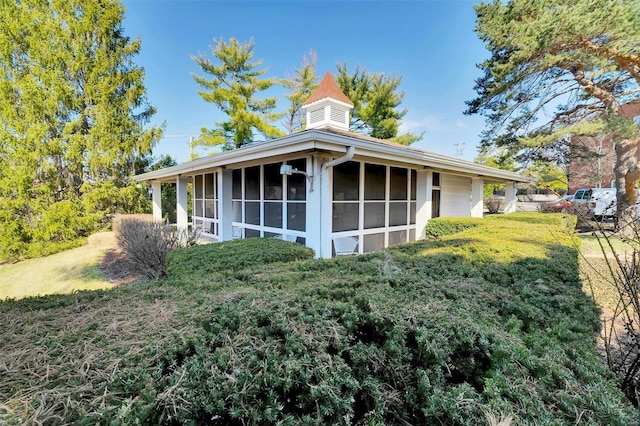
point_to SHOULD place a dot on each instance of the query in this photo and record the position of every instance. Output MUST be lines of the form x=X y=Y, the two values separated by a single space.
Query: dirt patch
x=117 y=269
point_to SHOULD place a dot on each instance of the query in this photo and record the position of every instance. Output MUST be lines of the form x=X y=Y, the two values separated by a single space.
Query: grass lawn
x=65 y=272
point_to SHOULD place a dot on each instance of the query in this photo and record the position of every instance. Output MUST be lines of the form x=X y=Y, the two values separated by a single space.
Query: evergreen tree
x=301 y=84
x=233 y=86
x=376 y=101
x=579 y=54
x=72 y=111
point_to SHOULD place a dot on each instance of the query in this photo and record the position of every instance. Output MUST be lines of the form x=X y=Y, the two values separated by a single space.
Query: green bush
x=439 y=227
x=234 y=255
x=492 y=320
x=559 y=219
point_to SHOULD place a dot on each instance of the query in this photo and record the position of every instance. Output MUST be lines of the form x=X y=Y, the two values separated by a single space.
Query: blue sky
x=431 y=44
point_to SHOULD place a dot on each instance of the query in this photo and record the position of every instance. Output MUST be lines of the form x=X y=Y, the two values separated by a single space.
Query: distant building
x=594 y=157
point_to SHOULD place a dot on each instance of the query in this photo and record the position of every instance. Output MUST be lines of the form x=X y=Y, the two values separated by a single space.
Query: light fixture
x=288 y=170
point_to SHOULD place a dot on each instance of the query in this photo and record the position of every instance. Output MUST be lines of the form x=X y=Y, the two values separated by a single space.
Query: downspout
x=348 y=156
x=324 y=222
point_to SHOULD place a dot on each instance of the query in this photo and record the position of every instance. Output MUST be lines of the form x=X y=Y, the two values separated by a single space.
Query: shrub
x=230 y=256
x=493 y=204
x=441 y=226
x=119 y=218
x=558 y=219
x=146 y=244
x=431 y=332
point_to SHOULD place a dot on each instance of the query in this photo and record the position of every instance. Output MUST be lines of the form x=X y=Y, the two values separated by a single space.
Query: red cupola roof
x=328 y=89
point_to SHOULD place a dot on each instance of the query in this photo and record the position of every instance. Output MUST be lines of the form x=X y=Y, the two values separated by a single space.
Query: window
x=346 y=181
x=267 y=203
x=345 y=216
x=374 y=203
x=272 y=182
x=205 y=202
x=398 y=184
x=296 y=216
x=236 y=192
x=252 y=183
x=435 y=203
x=435 y=195
x=397 y=214
x=296 y=183
x=436 y=179
x=374 y=215
x=373 y=242
x=374 y=182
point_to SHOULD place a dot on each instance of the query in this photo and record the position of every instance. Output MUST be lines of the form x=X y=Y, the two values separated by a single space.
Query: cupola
x=328 y=106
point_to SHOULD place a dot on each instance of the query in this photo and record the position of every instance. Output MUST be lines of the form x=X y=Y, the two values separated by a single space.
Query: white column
x=477 y=196
x=509 y=197
x=225 y=206
x=423 y=202
x=314 y=202
x=181 y=202
x=326 y=213
x=156 y=196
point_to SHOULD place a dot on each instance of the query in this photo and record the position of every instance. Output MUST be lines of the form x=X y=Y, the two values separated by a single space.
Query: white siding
x=455 y=196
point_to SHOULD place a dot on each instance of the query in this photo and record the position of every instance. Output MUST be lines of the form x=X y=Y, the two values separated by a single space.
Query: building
x=592 y=158
x=333 y=190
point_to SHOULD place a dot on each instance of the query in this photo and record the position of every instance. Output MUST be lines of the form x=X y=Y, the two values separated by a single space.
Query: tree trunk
x=627 y=173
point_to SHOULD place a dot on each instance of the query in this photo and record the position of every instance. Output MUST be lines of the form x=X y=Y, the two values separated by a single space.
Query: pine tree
x=72 y=108
x=301 y=84
x=376 y=101
x=233 y=86
x=579 y=54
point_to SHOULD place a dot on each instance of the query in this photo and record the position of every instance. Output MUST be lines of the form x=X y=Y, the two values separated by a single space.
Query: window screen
x=296 y=183
x=252 y=213
x=208 y=186
x=398 y=184
x=345 y=216
x=252 y=183
x=273 y=215
x=296 y=216
x=374 y=181
x=198 y=189
x=346 y=181
x=373 y=242
x=272 y=182
x=373 y=215
x=236 y=192
x=397 y=214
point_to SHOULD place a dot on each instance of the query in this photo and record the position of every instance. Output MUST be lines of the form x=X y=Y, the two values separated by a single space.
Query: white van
x=598 y=202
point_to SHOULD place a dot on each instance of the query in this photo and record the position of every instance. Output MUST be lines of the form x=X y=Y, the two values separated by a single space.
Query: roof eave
x=325 y=140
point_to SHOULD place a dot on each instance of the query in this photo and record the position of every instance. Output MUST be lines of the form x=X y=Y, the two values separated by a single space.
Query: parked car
x=599 y=203
x=564 y=204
